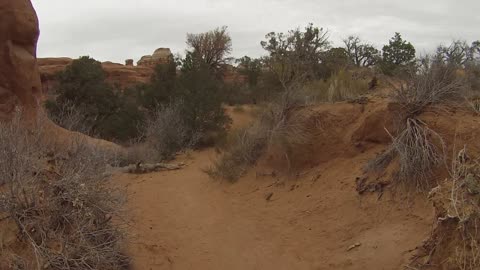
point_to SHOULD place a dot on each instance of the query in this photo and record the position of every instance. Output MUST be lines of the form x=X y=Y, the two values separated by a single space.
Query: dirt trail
x=184 y=220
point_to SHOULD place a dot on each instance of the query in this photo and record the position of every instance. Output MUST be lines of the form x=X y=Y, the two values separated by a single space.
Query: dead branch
x=140 y=168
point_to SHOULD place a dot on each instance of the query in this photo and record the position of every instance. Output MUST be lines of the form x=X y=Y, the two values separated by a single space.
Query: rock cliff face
x=126 y=76
x=19 y=77
x=48 y=67
x=117 y=74
x=20 y=84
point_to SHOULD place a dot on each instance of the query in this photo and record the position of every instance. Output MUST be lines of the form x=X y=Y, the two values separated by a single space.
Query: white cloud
x=116 y=30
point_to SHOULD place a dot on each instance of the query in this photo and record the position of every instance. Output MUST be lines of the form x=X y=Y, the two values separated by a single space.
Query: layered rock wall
x=123 y=76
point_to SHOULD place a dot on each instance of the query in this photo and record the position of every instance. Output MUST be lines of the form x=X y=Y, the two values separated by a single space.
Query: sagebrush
x=61 y=202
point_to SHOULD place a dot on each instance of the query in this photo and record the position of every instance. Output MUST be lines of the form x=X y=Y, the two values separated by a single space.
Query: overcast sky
x=115 y=30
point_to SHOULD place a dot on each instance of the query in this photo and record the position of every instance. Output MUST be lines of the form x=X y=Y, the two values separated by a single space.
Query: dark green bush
x=99 y=108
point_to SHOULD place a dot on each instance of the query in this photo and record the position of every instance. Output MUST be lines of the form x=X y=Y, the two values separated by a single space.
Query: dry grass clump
x=277 y=125
x=475 y=105
x=341 y=86
x=61 y=204
x=70 y=117
x=243 y=149
x=165 y=134
x=455 y=242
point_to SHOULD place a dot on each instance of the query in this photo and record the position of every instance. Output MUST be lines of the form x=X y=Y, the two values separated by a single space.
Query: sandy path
x=184 y=220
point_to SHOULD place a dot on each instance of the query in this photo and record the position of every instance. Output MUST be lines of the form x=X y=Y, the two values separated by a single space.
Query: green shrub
x=161 y=87
x=200 y=93
x=83 y=93
x=398 y=56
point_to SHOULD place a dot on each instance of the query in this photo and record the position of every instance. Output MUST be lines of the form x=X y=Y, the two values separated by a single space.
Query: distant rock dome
x=160 y=56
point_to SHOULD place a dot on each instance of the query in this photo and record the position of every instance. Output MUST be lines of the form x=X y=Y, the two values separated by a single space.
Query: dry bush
x=434 y=84
x=167 y=133
x=419 y=149
x=70 y=117
x=243 y=149
x=472 y=71
x=340 y=86
x=277 y=125
x=418 y=153
x=61 y=203
x=463 y=207
x=455 y=241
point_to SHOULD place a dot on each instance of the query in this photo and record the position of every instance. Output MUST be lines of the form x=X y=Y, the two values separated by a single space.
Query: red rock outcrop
x=126 y=76
x=160 y=56
x=117 y=74
x=19 y=78
x=20 y=84
x=123 y=76
x=48 y=68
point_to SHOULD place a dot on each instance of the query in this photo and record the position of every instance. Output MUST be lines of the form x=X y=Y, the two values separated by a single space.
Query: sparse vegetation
x=455 y=200
x=459 y=53
x=83 y=91
x=60 y=202
x=435 y=84
x=167 y=133
x=211 y=49
x=361 y=54
x=420 y=150
x=276 y=126
x=68 y=116
x=295 y=57
x=243 y=149
x=161 y=88
x=66 y=216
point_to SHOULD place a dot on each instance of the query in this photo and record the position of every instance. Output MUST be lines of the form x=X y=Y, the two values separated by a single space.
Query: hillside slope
x=183 y=220
x=312 y=219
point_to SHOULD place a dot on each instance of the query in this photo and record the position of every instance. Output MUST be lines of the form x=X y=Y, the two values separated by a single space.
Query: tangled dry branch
x=435 y=84
x=61 y=203
x=418 y=153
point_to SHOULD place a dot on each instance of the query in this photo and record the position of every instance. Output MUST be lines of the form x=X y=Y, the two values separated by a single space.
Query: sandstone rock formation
x=117 y=74
x=160 y=56
x=123 y=76
x=19 y=78
x=20 y=84
x=48 y=68
x=126 y=76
